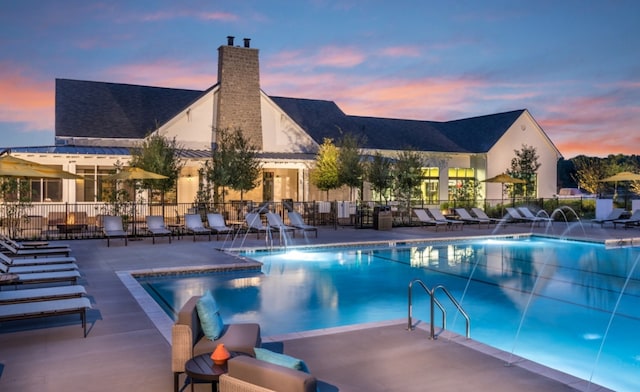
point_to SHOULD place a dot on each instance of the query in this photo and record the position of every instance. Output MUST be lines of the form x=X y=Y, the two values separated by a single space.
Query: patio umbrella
x=136 y=173
x=11 y=166
x=504 y=178
x=620 y=177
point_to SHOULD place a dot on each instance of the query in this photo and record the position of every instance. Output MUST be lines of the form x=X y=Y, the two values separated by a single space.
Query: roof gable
x=114 y=110
x=472 y=135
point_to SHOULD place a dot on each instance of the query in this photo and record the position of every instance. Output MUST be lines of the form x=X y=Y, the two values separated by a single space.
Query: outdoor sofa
x=247 y=374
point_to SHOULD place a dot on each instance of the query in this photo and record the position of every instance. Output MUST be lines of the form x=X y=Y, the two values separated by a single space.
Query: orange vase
x=220 y=355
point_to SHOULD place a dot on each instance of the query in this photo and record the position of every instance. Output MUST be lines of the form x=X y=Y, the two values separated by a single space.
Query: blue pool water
x=547 y=300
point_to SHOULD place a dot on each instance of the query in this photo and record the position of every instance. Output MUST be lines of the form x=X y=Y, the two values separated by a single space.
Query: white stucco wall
x=193 y=126
x=524 y=131
x=279 y=132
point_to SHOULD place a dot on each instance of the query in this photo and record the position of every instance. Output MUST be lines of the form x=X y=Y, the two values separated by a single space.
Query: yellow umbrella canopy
x=11 y=166
x=135 y=173
x=504 y=178
x=622 y=176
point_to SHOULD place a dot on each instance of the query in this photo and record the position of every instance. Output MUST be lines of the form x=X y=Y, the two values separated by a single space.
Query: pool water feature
x=547 y=300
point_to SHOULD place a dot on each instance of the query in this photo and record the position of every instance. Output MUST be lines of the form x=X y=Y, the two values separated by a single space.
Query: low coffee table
x=202 y=368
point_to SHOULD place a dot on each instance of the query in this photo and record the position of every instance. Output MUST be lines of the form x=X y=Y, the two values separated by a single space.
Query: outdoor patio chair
x=437 y=215
x=33 y=252
x=28 y=269
x=255 y=225
x=527 y=213
x=31 y=244
x=296 y=221
x=41 y=294
x=633 y=220
x=218 y=225
x=71 y=276
x=615 y=214
x=467 y=218
x=426 y=220
x=479 y=212
x=23 y=261
x=156 y=227
x=58 y=307
x=113 y=228
x=275 y=222
x=193 y=225
x=515 y=216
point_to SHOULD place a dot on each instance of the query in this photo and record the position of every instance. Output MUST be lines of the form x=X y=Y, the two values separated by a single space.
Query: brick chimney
x=239 y=94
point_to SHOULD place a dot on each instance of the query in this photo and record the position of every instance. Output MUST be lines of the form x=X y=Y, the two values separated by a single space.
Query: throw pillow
x=210 y=319
x=280 y=359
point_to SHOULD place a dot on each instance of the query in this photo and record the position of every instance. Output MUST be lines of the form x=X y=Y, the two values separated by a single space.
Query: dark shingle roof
x=114 y=110
x=472 y=135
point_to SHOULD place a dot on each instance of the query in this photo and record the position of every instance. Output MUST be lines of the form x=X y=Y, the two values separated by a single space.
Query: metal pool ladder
x=433 y=302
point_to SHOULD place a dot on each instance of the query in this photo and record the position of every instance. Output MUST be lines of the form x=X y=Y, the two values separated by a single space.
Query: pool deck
x=126 y=348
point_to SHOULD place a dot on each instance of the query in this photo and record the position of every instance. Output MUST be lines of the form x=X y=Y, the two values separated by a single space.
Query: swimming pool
x=566 y=324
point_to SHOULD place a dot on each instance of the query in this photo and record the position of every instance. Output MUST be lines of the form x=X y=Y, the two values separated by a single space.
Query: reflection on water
x=576 y=287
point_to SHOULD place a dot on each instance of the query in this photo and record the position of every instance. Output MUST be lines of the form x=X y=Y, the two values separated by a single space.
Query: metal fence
x=50 y=221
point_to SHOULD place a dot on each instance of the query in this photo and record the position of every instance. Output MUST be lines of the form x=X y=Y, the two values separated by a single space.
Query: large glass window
x=430 y=184
x=462 y=184
x=86 y=186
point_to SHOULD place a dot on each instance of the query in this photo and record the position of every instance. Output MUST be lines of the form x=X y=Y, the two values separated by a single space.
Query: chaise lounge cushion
x=265 y=375
x=210 y=318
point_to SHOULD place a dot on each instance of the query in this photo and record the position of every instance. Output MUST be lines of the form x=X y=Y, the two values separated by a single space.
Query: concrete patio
x=127 y=350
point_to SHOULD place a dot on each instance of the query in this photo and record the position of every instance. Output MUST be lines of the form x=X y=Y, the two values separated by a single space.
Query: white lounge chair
x=275 y=222
x=33 y=252
x=113 y=228
x=41 y=294
x=193 y=224
x=633 y=220
x=615 y=214
x=24 y=261
x=479 y=212
x=467 y=218
x=426 y=220
x=526 y=212
x=254 y=224
x=71 y=276
x=218 y=225
x=437 y=215
x=28 y=269
x=296 y=221
x=156 y=227
x=32 y=244
x=58 y=307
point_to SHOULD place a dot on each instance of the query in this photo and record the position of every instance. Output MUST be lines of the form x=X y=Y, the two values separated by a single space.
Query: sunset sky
x=575 y=65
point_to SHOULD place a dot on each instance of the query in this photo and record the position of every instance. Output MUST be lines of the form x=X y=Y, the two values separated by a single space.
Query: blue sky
x=575 y=65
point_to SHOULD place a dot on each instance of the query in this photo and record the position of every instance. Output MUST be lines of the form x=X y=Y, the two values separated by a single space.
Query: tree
x=407 y=175
x=524 y=166
x=234 y=164
x=159 y=155
x=15 y=200
x=325 y=176
x=378 y=174
x=350 y=168
x=589 y=172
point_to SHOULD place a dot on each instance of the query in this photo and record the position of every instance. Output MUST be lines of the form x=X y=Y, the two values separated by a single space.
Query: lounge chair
x=113 y=228
x=27 y=269
x=43 y=277
x=58 y=307
x=33 y=252
x=516 y=216
x=23 y=261
x=255 y=225
x=437 y=215
x=156 y=227
x=633 y=220
x=426 y=220
x=275 y=222
x=217 y=224
x=296 y=221
x=479 y=212
x=41 y=294
x=526 y=212
x=32 y=244
x=467 y=218
x=193 y=225
x=615 y=214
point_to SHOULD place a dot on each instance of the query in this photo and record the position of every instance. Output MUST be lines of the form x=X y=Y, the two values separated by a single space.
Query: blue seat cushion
x=280 y=359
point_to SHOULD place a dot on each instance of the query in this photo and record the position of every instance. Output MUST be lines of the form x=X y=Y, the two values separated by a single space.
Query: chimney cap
x=230 y=40
x=246 y=42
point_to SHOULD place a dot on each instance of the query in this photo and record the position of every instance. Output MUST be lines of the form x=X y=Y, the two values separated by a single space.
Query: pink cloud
x=167 y=15
x=401 y=51
x=167 y=73
x=25 y=100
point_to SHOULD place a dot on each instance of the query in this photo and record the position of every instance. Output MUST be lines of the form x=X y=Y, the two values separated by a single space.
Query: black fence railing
x=44 y=221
